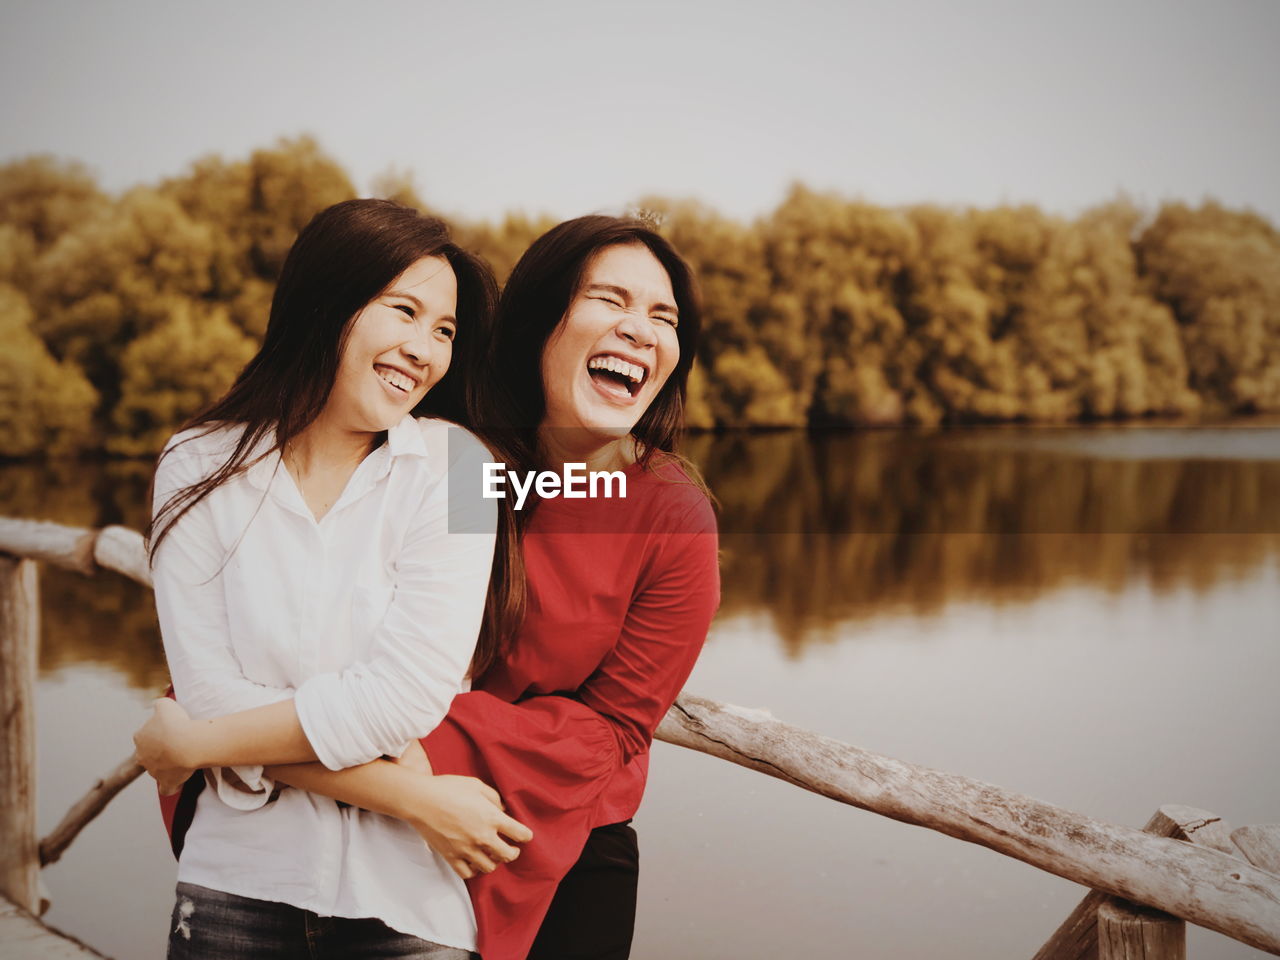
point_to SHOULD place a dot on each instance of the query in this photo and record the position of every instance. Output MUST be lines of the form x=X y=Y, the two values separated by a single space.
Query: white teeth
x=395 y=378
x=616 y=365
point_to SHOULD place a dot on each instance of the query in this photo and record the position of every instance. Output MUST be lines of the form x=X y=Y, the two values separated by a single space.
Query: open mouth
x=615 y=376
x=399 y=381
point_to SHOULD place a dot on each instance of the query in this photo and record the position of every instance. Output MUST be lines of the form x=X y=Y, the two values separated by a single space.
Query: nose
x=419 y=349
x=637 y=331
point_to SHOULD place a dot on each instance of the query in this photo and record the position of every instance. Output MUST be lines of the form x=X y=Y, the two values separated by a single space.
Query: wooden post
x=19 y=648
x=1127 y=931
x=1078 y=937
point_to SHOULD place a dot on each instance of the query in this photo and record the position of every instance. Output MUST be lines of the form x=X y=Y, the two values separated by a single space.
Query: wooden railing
x=1185 y=865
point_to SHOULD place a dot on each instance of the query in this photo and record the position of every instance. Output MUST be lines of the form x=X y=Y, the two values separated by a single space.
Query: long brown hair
x=535 y=301
x=342 y=260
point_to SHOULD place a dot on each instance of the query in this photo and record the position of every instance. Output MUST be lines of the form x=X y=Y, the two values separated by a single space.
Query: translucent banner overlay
x=985 y=480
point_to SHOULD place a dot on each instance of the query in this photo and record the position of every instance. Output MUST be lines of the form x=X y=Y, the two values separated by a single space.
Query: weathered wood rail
x=1185 y=865
x=1207 y=886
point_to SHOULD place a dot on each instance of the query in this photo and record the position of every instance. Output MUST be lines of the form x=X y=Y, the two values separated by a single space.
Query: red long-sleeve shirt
x=621 y=593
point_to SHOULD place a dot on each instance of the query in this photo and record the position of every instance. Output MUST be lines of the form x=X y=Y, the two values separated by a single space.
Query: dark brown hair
x=342 y=260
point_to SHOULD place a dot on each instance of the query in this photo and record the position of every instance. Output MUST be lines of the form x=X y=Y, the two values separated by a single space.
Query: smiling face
x=397 y=348
x=616 y=346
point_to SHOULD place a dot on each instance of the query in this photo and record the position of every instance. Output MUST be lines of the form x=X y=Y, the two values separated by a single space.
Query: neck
x=326 y=444
x=559 y=446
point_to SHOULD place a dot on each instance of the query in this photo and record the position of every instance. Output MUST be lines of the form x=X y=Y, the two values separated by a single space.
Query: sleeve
x=550 y=757
x=208 y=680
x=665 y=628
x=423 y=646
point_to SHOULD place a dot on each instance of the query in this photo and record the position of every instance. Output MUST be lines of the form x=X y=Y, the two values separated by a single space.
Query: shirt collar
x=264 y=461
x=406 y=438
x=403 y=439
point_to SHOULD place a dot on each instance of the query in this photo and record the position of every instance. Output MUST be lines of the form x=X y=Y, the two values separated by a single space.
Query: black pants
x=593 y=914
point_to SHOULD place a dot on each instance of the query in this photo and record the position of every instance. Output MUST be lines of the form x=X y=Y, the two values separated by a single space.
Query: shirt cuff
x=242 y=787
x=327 y=738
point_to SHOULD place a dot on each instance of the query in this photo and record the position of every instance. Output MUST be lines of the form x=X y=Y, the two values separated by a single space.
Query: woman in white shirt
x=312 y=567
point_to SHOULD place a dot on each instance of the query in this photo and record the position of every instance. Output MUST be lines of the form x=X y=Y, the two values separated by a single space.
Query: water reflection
x=821 y=530
x=106 y=620
x=83 y=494
x=984 y=481
x=811 y=584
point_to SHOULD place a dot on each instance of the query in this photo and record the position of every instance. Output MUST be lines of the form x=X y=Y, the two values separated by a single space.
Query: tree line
x=123 y=314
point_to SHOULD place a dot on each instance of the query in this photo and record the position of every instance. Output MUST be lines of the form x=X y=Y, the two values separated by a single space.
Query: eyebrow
x=625 y=294
x=417 y=303
x=405 y=296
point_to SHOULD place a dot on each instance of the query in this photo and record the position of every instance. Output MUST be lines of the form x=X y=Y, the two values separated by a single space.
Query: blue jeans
x=211 y=925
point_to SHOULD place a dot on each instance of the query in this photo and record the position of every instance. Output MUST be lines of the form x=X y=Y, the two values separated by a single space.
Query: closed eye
x=667 y=318
x=406 y=309
x=613 y=300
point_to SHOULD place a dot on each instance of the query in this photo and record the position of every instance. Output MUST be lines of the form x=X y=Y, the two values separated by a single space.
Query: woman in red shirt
x=590 y=356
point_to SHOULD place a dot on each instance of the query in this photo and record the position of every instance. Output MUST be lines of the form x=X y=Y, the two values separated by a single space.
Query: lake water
x=1088 y=616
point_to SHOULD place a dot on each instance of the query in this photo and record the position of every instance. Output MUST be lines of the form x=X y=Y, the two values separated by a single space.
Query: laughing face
x=616 y=346
x=398 y=348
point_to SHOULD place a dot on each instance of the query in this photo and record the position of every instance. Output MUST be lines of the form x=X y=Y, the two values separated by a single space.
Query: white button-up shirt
x=367 y=618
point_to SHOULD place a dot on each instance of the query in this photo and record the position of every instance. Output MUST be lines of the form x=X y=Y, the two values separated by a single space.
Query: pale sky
x=569 y=107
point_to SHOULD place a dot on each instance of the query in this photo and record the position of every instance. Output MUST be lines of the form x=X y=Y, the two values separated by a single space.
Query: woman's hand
x=160 y=745
x=461 y=818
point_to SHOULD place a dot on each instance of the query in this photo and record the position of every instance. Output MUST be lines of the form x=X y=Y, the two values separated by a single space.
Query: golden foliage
x=46 y=406
x=181 y=365
x=826 y=311
x=1220 y=272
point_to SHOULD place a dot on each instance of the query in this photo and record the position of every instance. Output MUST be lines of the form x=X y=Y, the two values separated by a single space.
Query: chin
x=380 y=421
x=608 y=427
x=610 y=432
x=588 y=430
